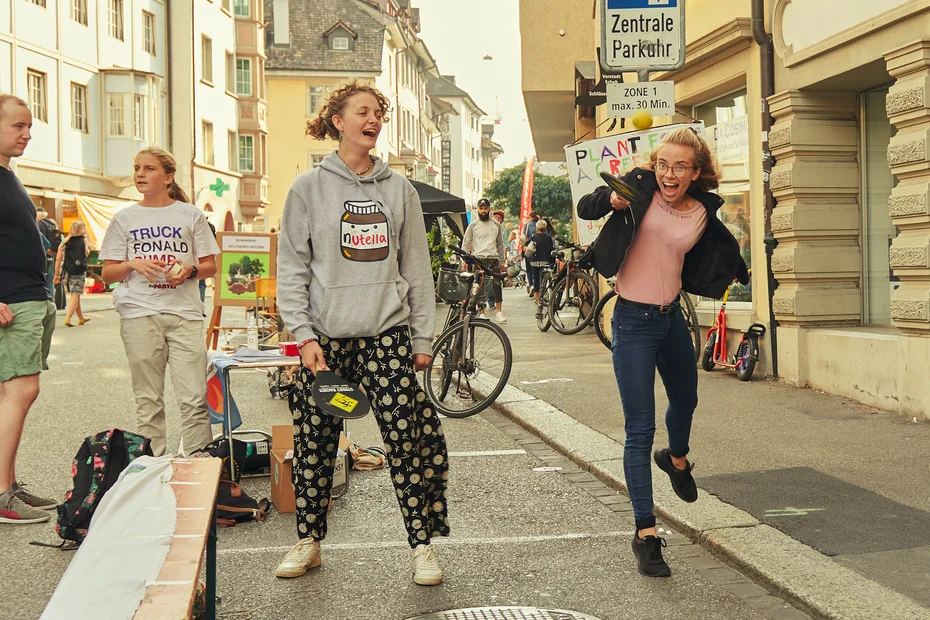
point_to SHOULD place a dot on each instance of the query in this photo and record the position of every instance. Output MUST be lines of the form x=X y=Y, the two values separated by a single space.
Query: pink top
x=651 y=272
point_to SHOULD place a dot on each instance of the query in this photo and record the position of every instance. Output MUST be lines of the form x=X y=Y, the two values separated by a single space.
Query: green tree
x=258 y=268
x=234 y=269
x=552 y=196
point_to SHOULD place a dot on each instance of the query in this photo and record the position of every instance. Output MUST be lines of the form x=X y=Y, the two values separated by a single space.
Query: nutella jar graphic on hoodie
x=364 y=232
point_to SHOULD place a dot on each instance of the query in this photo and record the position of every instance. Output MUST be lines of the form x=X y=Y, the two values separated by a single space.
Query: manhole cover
x=506 y=613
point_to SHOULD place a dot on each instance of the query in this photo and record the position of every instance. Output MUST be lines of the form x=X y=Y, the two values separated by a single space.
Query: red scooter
x=747 y=353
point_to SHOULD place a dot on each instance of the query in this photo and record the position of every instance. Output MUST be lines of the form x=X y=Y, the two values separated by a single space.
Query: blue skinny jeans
x=643 y=341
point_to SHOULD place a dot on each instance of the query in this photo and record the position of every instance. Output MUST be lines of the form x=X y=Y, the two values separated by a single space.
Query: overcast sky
x=459 y=35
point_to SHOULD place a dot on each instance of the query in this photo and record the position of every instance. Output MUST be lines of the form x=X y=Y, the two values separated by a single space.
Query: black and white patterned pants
x=413 y=437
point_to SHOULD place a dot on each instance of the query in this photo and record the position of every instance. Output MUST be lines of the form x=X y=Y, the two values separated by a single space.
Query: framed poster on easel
x=245 y=259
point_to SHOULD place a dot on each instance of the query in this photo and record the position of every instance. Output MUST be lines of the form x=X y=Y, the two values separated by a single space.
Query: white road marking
x=488 y=453
x=559 y=380
x=452 y=542
x=789 y=511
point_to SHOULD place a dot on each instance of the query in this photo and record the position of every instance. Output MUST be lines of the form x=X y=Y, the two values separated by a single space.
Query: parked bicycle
x=567 y=292
x=472 y=357
x=603 y=317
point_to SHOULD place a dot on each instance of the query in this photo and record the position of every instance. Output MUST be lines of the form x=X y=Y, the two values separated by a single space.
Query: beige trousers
x=150 y=343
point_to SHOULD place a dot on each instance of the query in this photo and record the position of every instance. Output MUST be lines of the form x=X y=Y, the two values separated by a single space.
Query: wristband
x=301 y=344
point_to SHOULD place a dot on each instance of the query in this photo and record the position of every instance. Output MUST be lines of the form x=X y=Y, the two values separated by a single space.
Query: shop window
x=878 y=231
x=726 y=123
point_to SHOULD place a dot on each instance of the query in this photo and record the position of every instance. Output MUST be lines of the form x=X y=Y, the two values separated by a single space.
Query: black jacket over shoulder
x=710 y=266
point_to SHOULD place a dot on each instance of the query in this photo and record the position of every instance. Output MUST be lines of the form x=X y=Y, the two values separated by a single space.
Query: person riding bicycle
x=355 y=288
x=667 y=238
x=542 y=257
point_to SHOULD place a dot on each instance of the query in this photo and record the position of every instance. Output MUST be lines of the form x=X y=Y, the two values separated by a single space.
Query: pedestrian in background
x=71 y=269
x=499 y=218
x=361 y=302
x=158 y=249
x=542 y=257
x=27 y=315
x=666 y=239
x=527 y=233
x=485 y=239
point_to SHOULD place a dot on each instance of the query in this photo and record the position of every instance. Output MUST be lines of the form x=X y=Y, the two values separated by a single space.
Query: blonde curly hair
x=704 y=159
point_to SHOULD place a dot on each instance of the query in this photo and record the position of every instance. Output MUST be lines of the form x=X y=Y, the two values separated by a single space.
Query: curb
x=805 y=577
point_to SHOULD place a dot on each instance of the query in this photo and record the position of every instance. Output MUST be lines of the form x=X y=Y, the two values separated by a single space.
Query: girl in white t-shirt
x=157 y=250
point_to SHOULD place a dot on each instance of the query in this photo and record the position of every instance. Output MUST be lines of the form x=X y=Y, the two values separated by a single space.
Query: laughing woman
x=669 y=238
x=355 y=287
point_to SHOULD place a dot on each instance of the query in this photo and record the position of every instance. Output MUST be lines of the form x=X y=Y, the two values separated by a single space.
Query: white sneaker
x=500 y=317
x=426 y=570
x=302 y=557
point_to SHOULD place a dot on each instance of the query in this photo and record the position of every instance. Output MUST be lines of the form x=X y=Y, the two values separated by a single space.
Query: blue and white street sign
x=642 y=35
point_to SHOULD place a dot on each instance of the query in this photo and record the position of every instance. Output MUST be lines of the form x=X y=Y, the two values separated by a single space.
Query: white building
x=205 y=108
x=93 y=72
x=463 y=140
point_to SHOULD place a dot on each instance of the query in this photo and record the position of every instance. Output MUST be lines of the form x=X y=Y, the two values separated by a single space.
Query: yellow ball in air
x=642 y=120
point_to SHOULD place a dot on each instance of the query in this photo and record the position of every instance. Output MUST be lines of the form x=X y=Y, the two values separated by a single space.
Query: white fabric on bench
x=125 y=548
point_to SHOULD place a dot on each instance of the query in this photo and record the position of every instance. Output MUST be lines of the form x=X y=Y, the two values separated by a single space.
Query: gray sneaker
x=42 y=503
x=14 y=510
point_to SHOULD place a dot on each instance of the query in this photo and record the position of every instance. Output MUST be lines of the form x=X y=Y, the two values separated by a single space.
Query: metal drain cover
x=505 y=613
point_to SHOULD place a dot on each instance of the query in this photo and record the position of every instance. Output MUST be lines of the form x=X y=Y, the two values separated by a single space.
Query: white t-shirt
x=176 y=232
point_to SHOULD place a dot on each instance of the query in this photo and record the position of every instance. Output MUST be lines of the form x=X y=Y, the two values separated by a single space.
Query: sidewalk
x=817 y=497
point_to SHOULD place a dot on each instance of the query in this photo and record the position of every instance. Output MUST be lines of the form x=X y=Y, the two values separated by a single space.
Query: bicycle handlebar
x=471 y=259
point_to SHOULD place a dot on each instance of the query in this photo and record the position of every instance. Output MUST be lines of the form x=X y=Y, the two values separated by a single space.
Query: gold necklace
x=371 y=163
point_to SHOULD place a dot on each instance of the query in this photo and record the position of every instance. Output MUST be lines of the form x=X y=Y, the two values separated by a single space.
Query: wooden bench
x=171 y=595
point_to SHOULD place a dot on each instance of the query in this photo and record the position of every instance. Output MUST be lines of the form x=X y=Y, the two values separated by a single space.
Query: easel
x=235 y=248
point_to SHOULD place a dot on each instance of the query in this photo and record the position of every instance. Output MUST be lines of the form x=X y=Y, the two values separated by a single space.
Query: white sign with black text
x=642 y=35
x=625 y=100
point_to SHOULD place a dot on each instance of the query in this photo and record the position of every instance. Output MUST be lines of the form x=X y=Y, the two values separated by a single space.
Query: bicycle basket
x=452 y=287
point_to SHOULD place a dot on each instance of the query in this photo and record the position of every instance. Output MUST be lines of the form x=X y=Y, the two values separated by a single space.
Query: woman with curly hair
x=666 y=239
x=355 y=287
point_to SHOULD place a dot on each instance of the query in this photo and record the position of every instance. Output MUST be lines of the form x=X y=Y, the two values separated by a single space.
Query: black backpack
x=75 y=260
x=97 y=466
x=51 y=232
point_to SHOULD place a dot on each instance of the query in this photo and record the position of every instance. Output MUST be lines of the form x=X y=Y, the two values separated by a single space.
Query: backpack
x=51 y=232
x=233 y=505
x=75 y=260
x=97 y=466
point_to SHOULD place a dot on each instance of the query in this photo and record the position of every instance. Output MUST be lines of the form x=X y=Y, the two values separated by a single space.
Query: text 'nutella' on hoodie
x=353 y=260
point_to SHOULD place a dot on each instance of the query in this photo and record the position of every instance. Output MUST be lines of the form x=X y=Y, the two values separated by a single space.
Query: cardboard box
x=282 y=486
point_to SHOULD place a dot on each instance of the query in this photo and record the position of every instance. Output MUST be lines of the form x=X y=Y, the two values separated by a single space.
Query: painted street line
x=513 y=540
x=541 y=381
x=788 y=511
x=489 y=453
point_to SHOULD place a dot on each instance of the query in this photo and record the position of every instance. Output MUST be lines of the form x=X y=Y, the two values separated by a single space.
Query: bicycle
x=543 y=318
x=472 y=357
x=572 y=295
x=604 y=312
x=747 y=352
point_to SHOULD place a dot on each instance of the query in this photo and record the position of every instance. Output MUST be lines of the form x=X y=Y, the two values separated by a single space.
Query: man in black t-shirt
x=27 y=315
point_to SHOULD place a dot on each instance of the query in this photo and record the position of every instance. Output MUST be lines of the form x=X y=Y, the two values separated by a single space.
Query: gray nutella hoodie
x=353 y=259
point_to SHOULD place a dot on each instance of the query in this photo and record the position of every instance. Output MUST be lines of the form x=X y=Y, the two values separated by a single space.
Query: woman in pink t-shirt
x=667 y=239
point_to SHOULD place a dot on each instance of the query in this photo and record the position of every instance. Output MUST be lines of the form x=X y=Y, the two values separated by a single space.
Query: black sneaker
x=682 y=481
x=648 y=552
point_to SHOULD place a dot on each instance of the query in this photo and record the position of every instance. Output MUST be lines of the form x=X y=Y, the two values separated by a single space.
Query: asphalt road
x=546 y=539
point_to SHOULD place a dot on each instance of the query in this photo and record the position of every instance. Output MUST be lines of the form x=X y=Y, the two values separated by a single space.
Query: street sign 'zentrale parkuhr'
x=642 y=35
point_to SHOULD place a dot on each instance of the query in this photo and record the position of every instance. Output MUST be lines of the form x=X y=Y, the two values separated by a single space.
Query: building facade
x=463 y=140
x=490 y=151
x=216 y=73
x=850 y=182
x=94 y=75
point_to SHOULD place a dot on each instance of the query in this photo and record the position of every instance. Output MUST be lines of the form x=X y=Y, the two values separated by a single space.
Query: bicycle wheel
x=746 y=356
x=480 y=363
x=542 y=310
x=603 y=318
x=691 y=318
x=571 y=308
